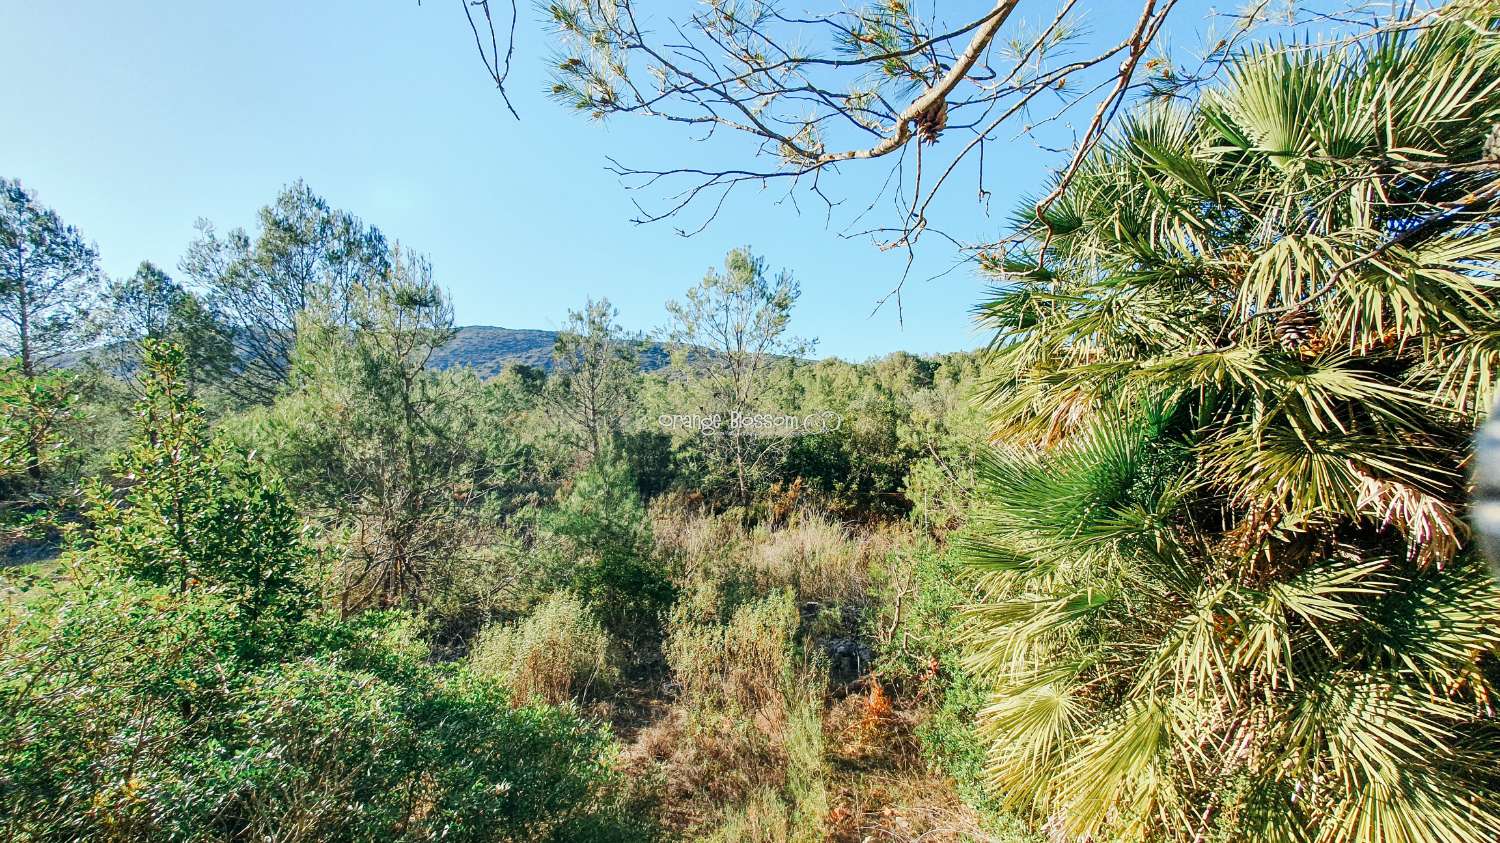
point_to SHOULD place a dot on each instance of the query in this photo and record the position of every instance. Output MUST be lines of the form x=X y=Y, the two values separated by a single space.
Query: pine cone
x=1297 y=328
x=931 y=122
x=1492 y=143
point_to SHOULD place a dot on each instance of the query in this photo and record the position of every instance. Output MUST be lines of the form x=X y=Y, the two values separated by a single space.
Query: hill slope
x=488 y=350
x=484 y=348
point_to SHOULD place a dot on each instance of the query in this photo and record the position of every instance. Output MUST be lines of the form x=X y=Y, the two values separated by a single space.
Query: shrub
x=742 y=665
x=816 y=556
x=178 y=684
x=689 y=540
x=402 y=462
x=762 y=781
x=748 y=724
x=36 y=414
x=130 y=716
x=193 y=513
x=806 y=776
x=557 y=653
x=940 y=493
x=764 y=818
x=602 y=513
x=605 y=523
x=917 y=622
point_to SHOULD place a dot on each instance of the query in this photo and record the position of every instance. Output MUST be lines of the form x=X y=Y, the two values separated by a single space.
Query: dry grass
x=742 y=749
x=903 y=807
x=558 y=653
x=763 y=818
x=814 y=555
x=707 y=760
x=752 y=748
x=820 y=559
x=848 y=770
x=731 y=776
x=880 y=788
x=743 y=665
x=693 y=538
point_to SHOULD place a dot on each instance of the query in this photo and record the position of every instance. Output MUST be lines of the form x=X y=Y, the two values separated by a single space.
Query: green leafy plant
x=605 y=525
x=180 y=684
x=192 y=513
x=131 y=715
x=36 y=416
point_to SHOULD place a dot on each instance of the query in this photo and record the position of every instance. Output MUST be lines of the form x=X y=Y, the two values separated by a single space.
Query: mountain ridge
x=489 y=349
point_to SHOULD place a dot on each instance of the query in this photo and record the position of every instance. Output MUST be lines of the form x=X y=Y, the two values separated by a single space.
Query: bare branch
x=827 y=89
x=496 y=64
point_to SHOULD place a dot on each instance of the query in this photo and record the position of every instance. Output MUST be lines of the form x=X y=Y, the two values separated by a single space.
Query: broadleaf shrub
x=178 y=684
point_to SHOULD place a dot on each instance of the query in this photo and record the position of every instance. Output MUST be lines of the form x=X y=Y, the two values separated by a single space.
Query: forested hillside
x=489 y=350
x=1182 y=555
x=486 y=349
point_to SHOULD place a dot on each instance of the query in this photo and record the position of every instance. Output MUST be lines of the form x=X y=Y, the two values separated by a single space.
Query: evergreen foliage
x=1229 y=591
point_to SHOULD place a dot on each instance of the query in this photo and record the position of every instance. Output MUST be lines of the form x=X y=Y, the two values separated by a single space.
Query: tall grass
x=750 y=703
x=817 y=557
x=749 y=745
x=806 y=770
x=764 y=818
x=742 y=665
x=559 y=652
x=814 y=555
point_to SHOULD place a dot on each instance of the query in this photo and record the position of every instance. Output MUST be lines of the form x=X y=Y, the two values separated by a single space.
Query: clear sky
x=133 y=119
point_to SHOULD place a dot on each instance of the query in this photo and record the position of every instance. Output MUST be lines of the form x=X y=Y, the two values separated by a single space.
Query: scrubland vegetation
x=393 y=601
x=1181 y=555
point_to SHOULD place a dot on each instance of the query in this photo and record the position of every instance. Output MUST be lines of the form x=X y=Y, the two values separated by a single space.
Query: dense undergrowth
x=218 y=653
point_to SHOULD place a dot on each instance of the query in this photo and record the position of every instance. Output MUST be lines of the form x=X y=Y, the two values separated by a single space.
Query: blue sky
x=133 y=119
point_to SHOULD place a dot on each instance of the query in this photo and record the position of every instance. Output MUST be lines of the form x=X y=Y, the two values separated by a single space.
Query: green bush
x=192 y=513
x=889 y=415
x=179 y=684
x=606 y=527
x=35 y=414
x=132 y=716
x=56 y=427
x=918 y=625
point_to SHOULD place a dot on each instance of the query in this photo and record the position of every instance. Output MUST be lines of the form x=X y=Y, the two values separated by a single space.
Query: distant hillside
x=488 y=350
x=484 y=348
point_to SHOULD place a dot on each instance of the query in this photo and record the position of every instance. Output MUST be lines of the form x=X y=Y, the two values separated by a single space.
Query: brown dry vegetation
x=751 y=736
x=750 y=720
x=557 y=653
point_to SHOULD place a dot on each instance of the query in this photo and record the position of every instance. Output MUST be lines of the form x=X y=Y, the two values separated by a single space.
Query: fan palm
x=1228 y=592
